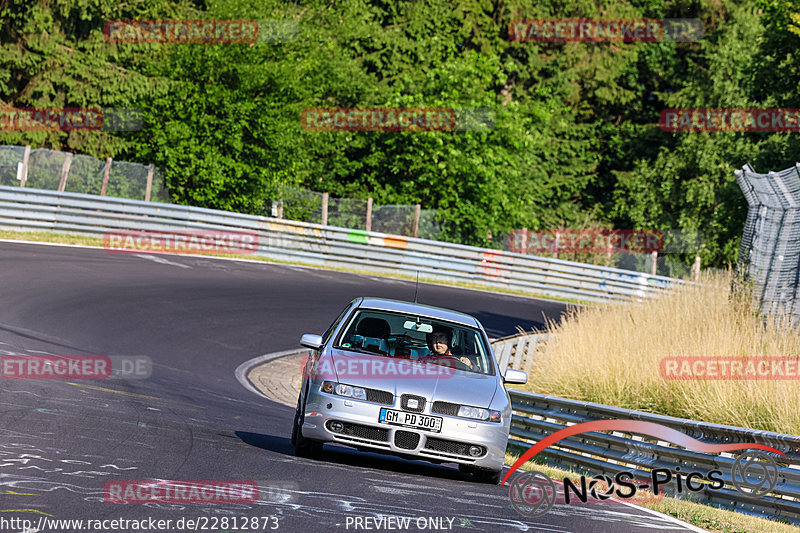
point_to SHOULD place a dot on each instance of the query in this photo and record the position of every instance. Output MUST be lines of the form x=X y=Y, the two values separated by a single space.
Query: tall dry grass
x=610 y=354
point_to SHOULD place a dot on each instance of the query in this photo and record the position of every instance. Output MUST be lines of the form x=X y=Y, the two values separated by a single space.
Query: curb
x=243 y=370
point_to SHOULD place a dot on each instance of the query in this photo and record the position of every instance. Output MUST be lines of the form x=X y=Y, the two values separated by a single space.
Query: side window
x=332 y=327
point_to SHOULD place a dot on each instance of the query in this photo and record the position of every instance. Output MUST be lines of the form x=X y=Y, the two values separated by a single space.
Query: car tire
x=303 y=447
x=480 y=475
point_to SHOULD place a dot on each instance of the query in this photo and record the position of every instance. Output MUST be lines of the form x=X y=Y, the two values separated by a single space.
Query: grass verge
x=611 y=354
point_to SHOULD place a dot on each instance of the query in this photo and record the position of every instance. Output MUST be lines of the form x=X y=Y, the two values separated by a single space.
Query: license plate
x=414 y=420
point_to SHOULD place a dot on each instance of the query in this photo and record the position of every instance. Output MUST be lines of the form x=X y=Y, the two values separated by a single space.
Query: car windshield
x=418 y=338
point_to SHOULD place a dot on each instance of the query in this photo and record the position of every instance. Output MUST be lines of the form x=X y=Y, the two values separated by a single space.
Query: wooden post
x=65 y=172
x=417 y=213
x=280 y=208
x=150 y=170
x=653 y=267
x=106 y=172
x=369 y=213
x=25 y=159
x=696 y=268
x=325 y=196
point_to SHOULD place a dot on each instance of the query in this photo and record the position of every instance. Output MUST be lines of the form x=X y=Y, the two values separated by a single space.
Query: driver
x=440 y=340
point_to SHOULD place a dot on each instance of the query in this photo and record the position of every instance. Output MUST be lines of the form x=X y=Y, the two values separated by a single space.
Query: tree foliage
x=575 y=142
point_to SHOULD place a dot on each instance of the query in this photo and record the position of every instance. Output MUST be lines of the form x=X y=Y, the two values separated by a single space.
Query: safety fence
x=537 y=416
x=66 y=172
x=769 y=255
x=54 y=170
x=29 y=210
x=304 y=205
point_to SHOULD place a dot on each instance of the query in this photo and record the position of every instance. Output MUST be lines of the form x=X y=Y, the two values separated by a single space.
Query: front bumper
x=360 y=427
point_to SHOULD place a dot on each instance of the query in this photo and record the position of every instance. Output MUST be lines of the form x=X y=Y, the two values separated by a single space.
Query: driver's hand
x=466 y=361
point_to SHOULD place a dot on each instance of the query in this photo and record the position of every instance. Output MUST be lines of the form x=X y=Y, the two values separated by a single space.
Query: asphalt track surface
x=198 y=319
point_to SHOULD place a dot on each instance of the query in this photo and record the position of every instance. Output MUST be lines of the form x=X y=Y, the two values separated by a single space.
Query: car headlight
x=340 y=389
x=478 y=413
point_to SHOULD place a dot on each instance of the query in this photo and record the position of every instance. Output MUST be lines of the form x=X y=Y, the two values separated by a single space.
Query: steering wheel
x=460 y=365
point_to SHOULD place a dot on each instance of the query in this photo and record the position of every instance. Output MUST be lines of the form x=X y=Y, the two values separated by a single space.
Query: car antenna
x=416 y=288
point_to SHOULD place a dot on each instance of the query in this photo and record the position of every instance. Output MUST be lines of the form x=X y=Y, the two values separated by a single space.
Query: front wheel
x=303 y=447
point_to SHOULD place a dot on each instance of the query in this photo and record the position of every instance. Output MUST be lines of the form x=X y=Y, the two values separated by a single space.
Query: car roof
x=401 y=306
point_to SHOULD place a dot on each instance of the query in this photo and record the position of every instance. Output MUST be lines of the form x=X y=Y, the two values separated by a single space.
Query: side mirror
x=515 y=377
x=309 y=340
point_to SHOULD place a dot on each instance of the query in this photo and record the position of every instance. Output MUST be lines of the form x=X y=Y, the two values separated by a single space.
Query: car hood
x=402 y=376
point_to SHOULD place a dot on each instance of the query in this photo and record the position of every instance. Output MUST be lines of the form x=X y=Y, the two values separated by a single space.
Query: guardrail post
x=654 y=266
x=369 y=214
x=503 y=354
x=520 y=355
x=325 y=196
x=106 y=172
x=150 y=170
x=417 y=213
x=26 y=156
x=62 y=184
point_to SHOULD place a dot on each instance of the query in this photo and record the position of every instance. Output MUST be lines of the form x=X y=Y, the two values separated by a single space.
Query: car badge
x=412 y=403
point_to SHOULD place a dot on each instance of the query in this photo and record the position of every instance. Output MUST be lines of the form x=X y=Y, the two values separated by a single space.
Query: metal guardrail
x=536 y=416
x=518 y=351
x=43 y=210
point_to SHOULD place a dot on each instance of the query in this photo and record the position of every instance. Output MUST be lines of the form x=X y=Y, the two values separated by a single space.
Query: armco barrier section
x=537 y=416
x=43 y=210
x=518 y=351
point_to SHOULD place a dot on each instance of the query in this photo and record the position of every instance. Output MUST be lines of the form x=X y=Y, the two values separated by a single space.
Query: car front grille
x=450 y=447
x=380 y=396
x=445 y=408
x=361 y=432
x=406 y=439
x=420 y=403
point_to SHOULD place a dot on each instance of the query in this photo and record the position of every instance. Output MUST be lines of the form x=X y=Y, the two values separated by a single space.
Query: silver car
x=406 y=379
